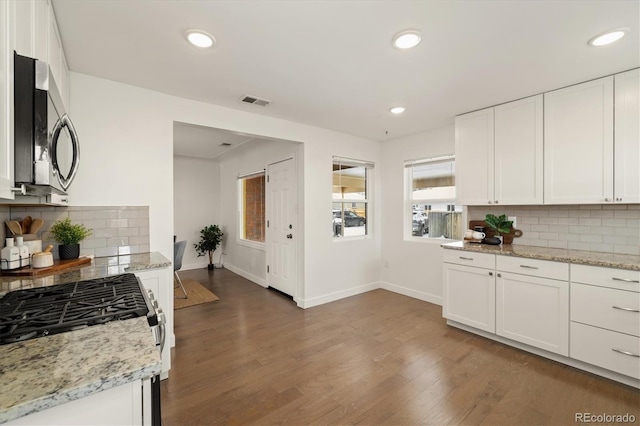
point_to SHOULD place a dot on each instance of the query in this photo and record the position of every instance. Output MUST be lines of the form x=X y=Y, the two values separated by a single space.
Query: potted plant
x=499 y=224
x=69 y=236
x=210 y=239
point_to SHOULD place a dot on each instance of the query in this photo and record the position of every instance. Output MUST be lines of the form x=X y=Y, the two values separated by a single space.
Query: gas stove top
x=37 y=312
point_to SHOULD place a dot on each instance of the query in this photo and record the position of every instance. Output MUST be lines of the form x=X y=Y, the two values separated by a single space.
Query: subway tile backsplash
x=116 y=229
x=606 y=228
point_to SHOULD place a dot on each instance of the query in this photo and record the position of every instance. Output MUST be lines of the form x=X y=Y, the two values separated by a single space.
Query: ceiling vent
x=225 y=144
x=256 y=101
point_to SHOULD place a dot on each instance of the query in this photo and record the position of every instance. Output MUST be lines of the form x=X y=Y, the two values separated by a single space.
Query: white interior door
x=281 y=226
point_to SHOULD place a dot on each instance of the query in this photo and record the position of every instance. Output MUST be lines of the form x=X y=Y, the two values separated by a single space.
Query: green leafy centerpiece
x=69 y=236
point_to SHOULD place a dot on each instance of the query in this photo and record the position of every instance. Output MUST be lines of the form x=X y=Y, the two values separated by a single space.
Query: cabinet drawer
x=533 y=267
x=607 y=277
x=604 y=348
x=615 y=310
x=470 y=258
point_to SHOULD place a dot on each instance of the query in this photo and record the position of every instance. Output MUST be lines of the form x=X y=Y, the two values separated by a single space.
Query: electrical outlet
x=514 y=220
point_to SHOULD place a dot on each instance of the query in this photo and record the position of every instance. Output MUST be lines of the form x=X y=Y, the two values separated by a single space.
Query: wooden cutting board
x=58 y=266
x=491 y=233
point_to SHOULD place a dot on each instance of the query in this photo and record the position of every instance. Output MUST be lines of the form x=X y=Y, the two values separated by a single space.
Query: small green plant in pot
x=210 y=239
x=499 y=224
x=69 y=236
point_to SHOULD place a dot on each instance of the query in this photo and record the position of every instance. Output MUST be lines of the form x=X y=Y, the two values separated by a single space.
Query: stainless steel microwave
x=46 y=146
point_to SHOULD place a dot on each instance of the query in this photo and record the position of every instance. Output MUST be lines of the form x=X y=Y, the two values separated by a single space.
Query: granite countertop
x=41 y=373
x=100 y=267
x=592 y=258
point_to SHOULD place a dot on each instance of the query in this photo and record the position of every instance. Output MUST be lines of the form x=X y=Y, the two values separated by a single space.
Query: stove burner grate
x=30 y=313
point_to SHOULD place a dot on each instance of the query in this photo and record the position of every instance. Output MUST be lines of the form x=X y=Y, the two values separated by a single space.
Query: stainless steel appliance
x=37 y=312
x=46 y=146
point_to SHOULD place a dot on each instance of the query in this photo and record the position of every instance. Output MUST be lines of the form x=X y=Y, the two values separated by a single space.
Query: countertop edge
x=73 y=394
x=576 y=257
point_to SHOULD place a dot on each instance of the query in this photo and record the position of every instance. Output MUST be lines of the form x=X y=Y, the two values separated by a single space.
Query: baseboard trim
x=191 y=266
x=337 y=295
x=420 y=295
x=244 y=274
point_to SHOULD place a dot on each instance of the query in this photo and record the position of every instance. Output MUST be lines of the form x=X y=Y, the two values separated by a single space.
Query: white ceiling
x=190 y=140
x=331 y=63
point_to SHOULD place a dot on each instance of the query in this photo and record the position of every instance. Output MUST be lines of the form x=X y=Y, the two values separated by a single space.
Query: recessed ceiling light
x=406 y=39
x=397 y=110
x=608 y=37
x=200 y=38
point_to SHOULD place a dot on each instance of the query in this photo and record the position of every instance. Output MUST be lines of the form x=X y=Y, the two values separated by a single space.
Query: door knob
x=289 y=236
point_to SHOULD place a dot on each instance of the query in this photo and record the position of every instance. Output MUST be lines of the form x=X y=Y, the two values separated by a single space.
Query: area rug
x=196 y=292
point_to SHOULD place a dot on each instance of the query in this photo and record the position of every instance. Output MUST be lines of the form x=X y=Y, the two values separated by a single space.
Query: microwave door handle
x=65 y=181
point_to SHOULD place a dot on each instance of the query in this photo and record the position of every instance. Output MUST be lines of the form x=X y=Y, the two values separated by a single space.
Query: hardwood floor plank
x=377 y=358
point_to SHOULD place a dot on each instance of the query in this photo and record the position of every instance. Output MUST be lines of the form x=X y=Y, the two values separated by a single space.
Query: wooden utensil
x=48 y=248
x=26 y=224
x=14 y=227
x=36 y=225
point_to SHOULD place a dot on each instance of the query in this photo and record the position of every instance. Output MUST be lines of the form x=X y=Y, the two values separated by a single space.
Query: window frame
x=242 y=177
x=367 y=201
x=409 y=201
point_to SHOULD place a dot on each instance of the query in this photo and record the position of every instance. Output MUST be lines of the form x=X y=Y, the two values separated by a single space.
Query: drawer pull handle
x=466 y=258
x=529 y=267
x=626 y=280
x=620 y=351
x=625 y=309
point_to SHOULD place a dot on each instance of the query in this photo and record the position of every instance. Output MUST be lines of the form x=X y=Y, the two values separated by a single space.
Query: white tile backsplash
x=611 y=228
x=123 y=230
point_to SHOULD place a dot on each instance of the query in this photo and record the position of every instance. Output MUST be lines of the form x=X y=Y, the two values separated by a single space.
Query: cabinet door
x=470 y=296
x=24 y=27
x=519 y=151
x=41 y=30
x=474 y=158
x=55 y=50
x=578 y=143
x=627 y=137
x=534 y=311
x=6 y=103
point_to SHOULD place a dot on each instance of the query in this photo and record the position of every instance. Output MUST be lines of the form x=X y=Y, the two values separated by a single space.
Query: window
x=350 y=197
x=251 y=196
x=430 y=203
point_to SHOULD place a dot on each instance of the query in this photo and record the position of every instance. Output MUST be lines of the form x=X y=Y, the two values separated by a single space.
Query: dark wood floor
x=253 y=357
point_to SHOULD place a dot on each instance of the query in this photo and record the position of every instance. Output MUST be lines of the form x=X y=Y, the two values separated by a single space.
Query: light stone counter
x=41 y=373
x=592 y=258
x=100 y=267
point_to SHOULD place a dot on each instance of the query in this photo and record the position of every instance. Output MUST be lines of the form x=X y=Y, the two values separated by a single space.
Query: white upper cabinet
x=24 y=16
x=41 y=29
x=578 y=144
x=519 y=152
x=499 y=154
x=6 y=101
x=627 y=137
x=474 y=158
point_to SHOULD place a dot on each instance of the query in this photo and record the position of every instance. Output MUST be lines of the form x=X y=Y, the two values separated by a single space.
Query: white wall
x=196 y=204
x=249 y=262
x=411 y=267
x=127 y=159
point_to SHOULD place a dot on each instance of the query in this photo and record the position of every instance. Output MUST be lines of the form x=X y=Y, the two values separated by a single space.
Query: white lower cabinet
x=584 y=316
x=605 y=318
x=122 y=405
x=534 y=311
x=470 y=291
